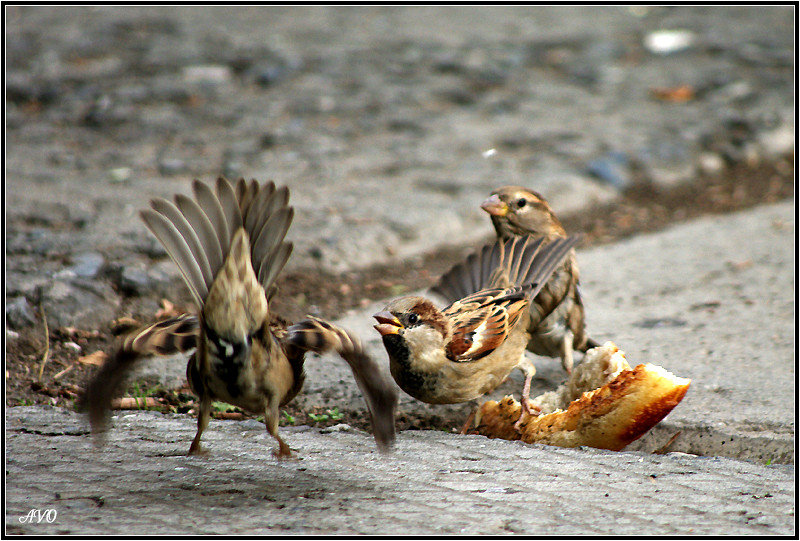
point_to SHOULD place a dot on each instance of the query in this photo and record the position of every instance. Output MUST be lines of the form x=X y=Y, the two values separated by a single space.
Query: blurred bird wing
x=380 y=394
x=482 y=321
x=165 y=337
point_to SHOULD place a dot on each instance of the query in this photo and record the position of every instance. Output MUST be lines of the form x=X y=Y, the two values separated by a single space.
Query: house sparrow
x=228 y=243
x=468 y=348
x=556 y=322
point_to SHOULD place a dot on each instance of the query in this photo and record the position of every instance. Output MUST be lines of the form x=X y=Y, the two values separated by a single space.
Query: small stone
x=710 y=163
x=268 y=75
x=168 y=372
x=134 y=280
x=736 y=91
x=87 y=264
x=341 y=427
x=613 y=168
x=103 y=112
x=666 y=42
x=668 y=160
x=207 y=74
x=65 y=274
x=120 y=174
x=78 y=302
x=777 y=142
x=171 y=166
x=19 y=313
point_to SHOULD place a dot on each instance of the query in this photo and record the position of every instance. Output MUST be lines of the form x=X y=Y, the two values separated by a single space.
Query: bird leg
x=467 y=425
x=566 y=351
x=203 y=416
x=528 y=407
x=271 y=420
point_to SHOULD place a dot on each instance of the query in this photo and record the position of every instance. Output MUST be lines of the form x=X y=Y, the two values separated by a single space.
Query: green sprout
x=223 y=407
x=333 y=415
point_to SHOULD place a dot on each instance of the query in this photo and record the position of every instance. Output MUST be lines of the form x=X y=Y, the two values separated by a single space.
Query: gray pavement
x=142 y=484
x=711 y=300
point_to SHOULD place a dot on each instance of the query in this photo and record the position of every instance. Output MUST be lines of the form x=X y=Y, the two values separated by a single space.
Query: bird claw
x=529 y=408
x=197 y=450
x=283 y=452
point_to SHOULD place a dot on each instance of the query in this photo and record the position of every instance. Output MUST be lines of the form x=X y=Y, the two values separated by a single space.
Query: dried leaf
x=95 y=359
x=676 y=94
x=123 y=325
x=134 y=403
x=168 y=309
x=72 y=332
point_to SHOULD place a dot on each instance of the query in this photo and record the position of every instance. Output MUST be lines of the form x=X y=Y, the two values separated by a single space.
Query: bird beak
x=494 y=206
x=388 y=323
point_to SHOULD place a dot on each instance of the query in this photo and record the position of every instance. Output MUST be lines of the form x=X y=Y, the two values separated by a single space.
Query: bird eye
x=413 y=318
x=521 y=202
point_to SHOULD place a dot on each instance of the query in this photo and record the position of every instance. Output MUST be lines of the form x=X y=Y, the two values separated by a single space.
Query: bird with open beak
x=468 y=348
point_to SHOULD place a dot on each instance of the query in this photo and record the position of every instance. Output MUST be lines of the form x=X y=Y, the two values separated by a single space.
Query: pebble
x=171 y=166
x=103 y=112
x=207 y=74
x=778 y=142
x=118 y=175
x=78 y=302
x=268 y=75
x=232 y=168
x=19 y=313
x=134 y=280
x=87 y=264
x=612 y=168
x=341 y=427
x=666 y=42
x=668 y=162
x=710 y=163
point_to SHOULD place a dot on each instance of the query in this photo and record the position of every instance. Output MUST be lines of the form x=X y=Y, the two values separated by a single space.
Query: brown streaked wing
x=481 y=330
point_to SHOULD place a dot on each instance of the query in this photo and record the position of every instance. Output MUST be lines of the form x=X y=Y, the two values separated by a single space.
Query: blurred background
x=389 y=123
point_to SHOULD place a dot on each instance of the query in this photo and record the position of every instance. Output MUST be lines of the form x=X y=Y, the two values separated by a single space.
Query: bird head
x=517 y=211
x=412 y=327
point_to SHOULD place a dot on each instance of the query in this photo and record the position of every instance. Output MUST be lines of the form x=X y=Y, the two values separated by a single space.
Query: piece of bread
x=627 y=404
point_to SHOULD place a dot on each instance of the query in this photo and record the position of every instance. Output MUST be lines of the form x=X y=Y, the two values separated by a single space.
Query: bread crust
x=608 y=417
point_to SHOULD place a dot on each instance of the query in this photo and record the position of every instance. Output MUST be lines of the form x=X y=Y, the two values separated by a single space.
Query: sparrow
x=556 y=323
x=468 y=348
x=229 y=245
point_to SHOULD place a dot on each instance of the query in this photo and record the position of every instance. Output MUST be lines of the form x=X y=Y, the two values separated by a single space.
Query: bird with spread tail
x=229 y=245
x=468 y=348
x=557 y=323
